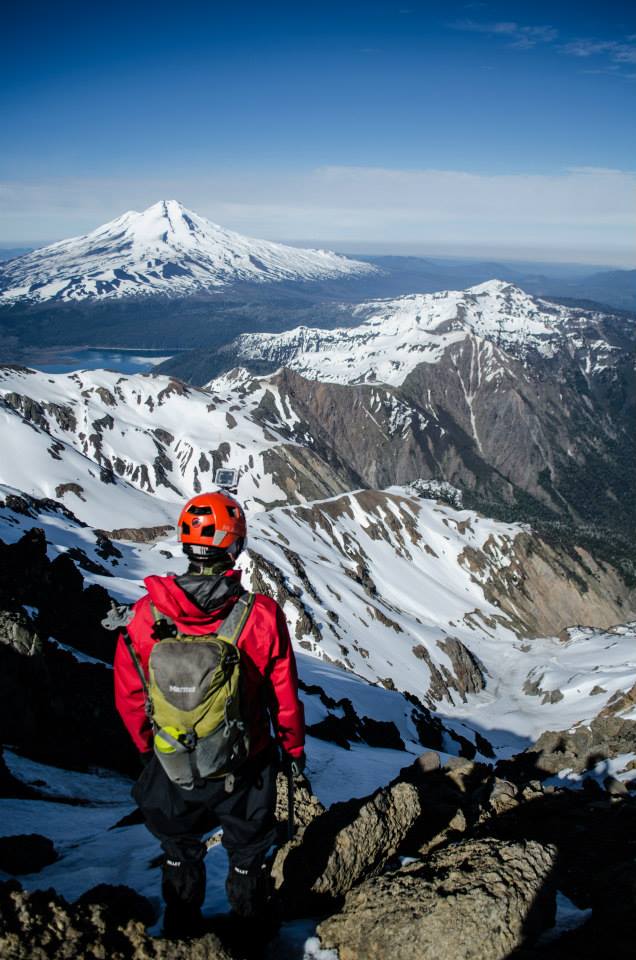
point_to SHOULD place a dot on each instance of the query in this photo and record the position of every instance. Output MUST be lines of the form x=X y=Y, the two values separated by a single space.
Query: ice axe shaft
x=290 y=804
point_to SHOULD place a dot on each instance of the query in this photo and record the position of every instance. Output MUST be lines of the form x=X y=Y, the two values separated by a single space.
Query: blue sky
x=331 y=121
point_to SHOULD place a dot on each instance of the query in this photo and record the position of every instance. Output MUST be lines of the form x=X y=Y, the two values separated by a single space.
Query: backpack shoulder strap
x=139 y=669
x=232 y=627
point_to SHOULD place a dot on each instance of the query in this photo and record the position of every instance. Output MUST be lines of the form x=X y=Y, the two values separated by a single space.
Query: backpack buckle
x=163 y=629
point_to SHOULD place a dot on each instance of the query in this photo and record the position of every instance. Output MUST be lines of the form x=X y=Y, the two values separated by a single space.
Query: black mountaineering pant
x=179 y=818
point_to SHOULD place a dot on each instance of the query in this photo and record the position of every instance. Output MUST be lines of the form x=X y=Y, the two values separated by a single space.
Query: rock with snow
x=439 y=490
x=165 y=250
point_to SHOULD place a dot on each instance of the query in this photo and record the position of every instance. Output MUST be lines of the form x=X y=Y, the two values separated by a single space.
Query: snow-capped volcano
x=167 y=250
x=395 y=336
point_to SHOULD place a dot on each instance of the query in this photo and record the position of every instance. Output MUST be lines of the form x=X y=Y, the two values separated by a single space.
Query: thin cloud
x=523 y=37
x=518 y=34
x=616 y=51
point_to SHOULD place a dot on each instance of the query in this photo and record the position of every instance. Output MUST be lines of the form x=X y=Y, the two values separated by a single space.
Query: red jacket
x=267 y=663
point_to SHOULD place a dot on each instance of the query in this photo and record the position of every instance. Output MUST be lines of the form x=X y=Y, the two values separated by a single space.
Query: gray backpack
x=193 y=697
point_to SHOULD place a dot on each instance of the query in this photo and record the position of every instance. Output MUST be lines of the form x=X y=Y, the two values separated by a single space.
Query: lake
x=123 y=360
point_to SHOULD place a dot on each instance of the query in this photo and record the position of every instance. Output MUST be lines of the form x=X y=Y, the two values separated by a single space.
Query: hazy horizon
x=521 y=256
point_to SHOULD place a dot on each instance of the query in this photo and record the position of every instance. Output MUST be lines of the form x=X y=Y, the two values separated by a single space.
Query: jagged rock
x=545 y=588
x=583 y=747
x=75 y=488
x=346 y=844
x=469 y=673
x=480 y=899
x=306 y=805
x=69 y=717
x=118 y=904
x=19 y=505
x=106 y=549
x=26 y=853
x=42 y=926
x=65 y=610
x=16 y=631
x=348 y=727
x=503 y=796
x=333 y=729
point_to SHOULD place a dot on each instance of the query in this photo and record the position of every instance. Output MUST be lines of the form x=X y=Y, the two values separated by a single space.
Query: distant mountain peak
x=394 y=336
x=494 y=287
x=166 y=249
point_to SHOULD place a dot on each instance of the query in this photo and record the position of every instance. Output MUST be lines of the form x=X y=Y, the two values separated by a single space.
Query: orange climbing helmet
x=212 y=523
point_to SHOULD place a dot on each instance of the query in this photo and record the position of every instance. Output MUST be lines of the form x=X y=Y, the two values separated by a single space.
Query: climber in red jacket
x=196 y=777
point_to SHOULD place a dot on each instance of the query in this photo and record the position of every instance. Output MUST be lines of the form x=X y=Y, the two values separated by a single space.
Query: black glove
x=146 y=757
x=294 y=765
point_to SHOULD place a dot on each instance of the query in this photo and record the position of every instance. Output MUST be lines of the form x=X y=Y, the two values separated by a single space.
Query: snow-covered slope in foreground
x=395 y=336
x=167 y=250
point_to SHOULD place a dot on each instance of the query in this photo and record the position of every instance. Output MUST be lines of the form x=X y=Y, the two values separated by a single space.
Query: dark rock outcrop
x=106 y=922
x=26 y=853
x=65 y=610
x=69 y=717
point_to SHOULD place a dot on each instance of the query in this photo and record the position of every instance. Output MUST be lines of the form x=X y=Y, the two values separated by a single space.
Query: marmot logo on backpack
x=174 y=689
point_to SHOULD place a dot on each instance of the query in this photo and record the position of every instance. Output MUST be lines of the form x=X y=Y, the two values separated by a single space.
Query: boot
x=183 y=889
x=248 y=890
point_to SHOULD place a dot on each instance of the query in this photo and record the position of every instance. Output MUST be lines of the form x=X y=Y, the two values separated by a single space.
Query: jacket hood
x=172 y=600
